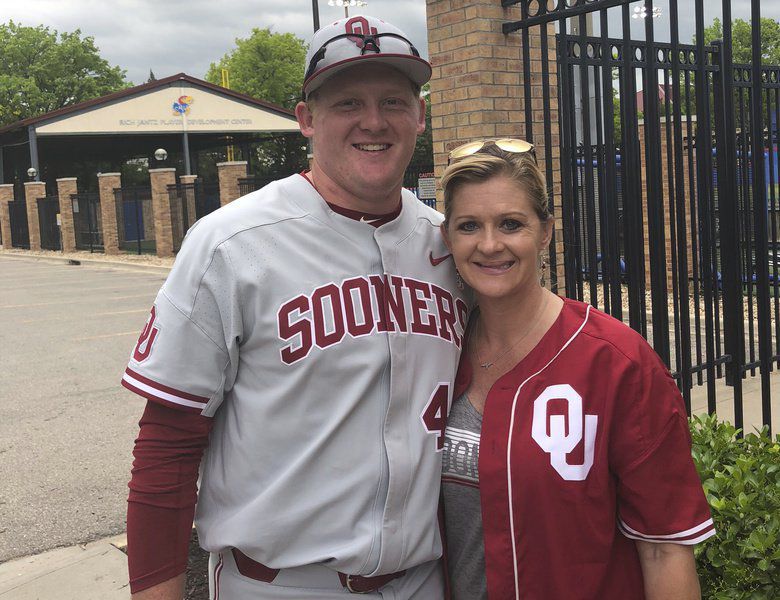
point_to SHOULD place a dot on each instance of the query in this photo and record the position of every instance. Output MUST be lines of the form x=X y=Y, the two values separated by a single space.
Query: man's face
x=363 y=123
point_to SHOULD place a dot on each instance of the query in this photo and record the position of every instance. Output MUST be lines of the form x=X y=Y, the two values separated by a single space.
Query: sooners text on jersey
x=361 y=305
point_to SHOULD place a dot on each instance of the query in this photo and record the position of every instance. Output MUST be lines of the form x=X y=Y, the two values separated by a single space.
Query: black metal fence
x=669 y=182
x=189 y=202
x=48 y=220
x=135 y=219
x=87 y=221
x=251 y=183
x=20 y=230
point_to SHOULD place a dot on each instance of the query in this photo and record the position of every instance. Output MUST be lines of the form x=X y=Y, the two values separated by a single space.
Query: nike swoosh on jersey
x=437 y=261
x=369 y=221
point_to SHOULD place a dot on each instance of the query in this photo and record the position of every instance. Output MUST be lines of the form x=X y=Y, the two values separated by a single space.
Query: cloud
x=188 y=35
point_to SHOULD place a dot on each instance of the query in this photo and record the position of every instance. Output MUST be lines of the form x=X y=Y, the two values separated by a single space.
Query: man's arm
x=173 y=589
x=161 y=504
x=669 y=571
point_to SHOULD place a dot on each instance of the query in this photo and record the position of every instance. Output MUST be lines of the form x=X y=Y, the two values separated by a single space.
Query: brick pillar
x=161 y=206
x=229 y=174
x=477 y=86
x=189 y=197
x=6 y=196
x=32 y=191
x=65 y=187
x=107 y=183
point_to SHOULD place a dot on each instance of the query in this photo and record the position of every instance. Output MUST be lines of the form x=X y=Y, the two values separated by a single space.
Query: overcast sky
x=187 y=35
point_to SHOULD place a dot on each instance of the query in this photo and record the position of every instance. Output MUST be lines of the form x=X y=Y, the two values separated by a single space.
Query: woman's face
x=495 y=237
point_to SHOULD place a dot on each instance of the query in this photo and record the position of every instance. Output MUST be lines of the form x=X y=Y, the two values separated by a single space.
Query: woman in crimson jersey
x=567 y=466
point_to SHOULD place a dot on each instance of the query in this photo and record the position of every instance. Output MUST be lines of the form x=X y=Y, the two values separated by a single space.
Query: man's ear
x=305 y=119
x=421 y=120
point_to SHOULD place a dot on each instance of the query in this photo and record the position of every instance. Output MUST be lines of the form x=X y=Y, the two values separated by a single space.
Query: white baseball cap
x=342 y=44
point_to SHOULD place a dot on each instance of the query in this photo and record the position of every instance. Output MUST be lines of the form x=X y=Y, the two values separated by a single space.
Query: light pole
x=315 y=9
x=346 y=4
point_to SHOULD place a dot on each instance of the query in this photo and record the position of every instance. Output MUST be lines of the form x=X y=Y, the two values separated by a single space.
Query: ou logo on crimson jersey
x=558 y=443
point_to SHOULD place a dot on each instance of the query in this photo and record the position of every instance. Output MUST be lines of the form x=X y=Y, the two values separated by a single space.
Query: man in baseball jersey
x=308 y=336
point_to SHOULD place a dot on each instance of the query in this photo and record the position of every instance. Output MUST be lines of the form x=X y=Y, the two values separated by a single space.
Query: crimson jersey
x=584 y=448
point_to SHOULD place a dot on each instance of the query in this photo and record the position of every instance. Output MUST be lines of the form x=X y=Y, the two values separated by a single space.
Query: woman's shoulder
x=612 y=334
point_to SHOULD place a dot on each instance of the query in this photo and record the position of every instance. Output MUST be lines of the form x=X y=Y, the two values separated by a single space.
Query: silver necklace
x=534 y=321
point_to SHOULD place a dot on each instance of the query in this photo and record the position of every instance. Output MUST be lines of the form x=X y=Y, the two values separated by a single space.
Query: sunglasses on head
x=370 y=43
x=513 y=145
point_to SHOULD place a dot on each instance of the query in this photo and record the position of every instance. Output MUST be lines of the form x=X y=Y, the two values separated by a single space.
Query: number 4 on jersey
x=434 y=417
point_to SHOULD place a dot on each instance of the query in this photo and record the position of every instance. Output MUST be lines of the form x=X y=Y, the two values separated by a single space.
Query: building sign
x=172 y=110
x=182 y=105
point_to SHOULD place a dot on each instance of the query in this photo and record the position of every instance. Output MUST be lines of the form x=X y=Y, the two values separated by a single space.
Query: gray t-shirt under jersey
x=462 y=508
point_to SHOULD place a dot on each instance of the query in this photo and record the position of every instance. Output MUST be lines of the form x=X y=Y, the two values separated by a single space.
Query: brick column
x=65 y=187
x=477 y=87
x=6 y=196
x=190 y=199
x=107 y=183
x=229 y=174
x=161 y=207
x=32 y=191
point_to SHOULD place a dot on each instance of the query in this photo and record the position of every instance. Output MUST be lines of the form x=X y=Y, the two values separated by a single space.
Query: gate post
x=161 y=208
x=32 y=191
x=229 y=174
x=65 y=187
x=189 y=182
x=6 y=196
x=107 y=183
x=478 y=87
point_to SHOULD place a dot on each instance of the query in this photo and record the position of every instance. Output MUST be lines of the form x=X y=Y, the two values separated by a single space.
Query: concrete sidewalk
x=94 y=571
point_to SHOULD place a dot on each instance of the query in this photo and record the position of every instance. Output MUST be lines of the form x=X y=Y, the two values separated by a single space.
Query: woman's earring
x=458 y=280
x=543 y=269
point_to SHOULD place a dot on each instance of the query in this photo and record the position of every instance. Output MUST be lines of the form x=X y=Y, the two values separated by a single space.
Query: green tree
x=42 y=71
x=742 y=40
x=268 y=66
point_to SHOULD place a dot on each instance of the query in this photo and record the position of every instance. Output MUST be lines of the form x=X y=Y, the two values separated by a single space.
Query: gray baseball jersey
x=325 y=349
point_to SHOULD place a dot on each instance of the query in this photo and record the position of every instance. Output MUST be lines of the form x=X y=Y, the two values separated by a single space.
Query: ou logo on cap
x=558 y=443
x=360 y=26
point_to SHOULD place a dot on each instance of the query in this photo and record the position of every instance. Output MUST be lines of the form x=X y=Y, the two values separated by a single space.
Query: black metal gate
x=669 y=180
x=190 y=202
x=20 y=231
x=87 y=221
x=251 y=183
x=135 y=219
x=48 y=219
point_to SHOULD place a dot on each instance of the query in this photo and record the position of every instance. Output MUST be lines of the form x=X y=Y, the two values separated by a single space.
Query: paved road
x=67 y=426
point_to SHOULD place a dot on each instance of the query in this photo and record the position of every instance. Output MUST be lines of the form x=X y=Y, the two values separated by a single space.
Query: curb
x=89 y=261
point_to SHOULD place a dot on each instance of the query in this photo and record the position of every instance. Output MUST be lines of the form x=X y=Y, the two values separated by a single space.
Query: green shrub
x=741 y=477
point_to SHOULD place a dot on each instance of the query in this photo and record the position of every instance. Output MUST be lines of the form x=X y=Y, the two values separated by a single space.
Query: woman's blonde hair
x=491 y=162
